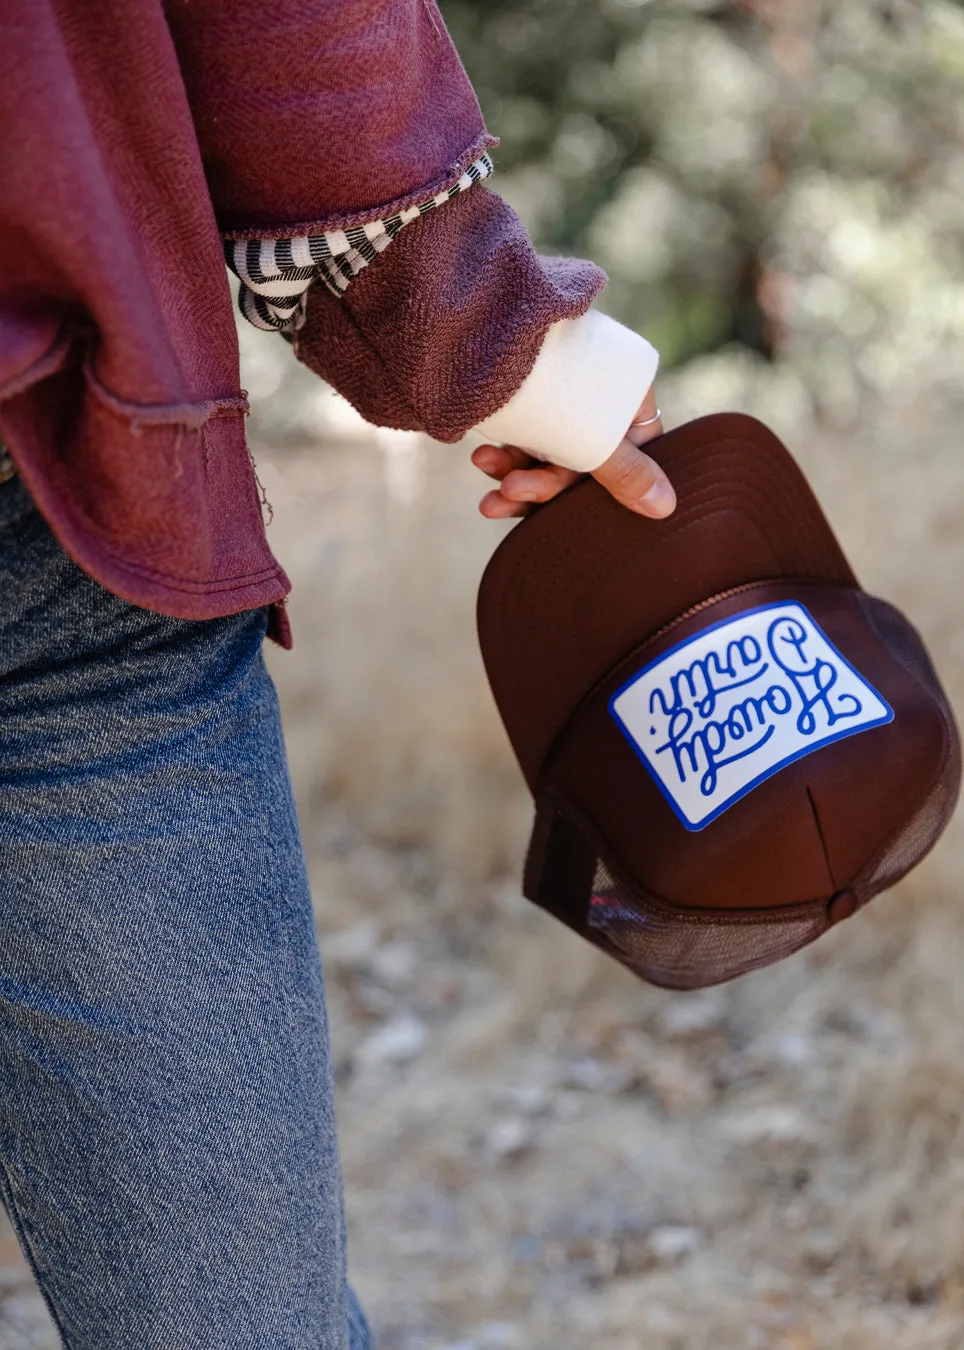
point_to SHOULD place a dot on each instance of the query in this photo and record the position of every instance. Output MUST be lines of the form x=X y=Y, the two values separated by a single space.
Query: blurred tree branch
x=699 y=149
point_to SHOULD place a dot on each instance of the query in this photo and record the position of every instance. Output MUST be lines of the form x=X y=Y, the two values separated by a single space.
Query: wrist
x=588 y=382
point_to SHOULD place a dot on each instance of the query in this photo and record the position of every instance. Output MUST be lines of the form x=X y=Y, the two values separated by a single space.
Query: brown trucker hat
x=730 y=744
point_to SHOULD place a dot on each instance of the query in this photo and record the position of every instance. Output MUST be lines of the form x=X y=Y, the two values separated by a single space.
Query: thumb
x=637 y=482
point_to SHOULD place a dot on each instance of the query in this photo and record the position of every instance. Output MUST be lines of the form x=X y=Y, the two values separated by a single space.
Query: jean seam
x=26 y=1245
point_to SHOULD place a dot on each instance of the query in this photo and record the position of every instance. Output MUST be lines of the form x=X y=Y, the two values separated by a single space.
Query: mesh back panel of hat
x=682 y=951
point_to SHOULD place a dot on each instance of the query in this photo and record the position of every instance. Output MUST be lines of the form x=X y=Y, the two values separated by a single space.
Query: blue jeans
x=167 y=1136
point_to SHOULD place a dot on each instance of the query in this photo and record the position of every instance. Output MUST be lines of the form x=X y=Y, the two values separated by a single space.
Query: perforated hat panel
x=687 y=951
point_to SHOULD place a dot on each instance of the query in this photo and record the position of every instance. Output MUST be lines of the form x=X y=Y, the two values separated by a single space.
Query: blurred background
x=540 y=1152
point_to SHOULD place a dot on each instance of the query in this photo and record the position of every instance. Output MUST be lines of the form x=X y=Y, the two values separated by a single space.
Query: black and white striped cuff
x=275 y=273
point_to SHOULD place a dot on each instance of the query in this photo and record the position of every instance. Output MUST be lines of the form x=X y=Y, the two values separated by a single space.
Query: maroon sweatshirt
x=133 y=135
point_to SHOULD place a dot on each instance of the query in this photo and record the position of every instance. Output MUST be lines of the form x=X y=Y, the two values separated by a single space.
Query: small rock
x=594 y=1075
x=394 y=965
x=692 y=1014
x=880 y=1027
x=398 y=1042
x=529 y=1099
x=821 y=1249
x=782 y=1050
x=373 y=999
x=773 y=1124
x=589 y=1257
x=510 y=1137
x=677 y=1084
x=351 y=948
x=671 y=1243
x=437 y=991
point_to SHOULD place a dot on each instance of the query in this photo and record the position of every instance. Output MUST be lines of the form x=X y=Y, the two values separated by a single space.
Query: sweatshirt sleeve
x=321 y=120
x=319 y=115
x=444 y=328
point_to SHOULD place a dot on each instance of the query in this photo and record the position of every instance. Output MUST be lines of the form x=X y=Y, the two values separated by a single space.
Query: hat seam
x=596 y=506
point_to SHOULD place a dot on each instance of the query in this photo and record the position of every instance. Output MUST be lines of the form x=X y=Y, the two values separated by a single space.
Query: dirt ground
x=540 y=1152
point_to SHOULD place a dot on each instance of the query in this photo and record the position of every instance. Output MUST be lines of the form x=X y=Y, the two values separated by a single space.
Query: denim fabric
x=167 y=1137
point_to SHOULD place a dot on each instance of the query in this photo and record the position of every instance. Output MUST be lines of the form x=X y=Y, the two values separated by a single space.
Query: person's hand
x=629 y=475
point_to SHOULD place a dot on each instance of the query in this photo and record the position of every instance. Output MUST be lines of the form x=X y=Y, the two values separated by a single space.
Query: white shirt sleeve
x=578 y=400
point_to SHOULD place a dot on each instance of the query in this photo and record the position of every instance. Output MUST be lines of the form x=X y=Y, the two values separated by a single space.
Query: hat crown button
x=841 y=906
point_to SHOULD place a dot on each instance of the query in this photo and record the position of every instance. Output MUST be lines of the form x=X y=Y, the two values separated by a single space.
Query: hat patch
x=723 y=711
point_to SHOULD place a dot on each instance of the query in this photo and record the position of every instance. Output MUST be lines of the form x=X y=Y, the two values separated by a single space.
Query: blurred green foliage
x=785 y=176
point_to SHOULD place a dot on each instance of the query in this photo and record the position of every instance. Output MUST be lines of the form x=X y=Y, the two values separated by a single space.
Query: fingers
x=496 y=507
x=498 y=460
x=648 y=410
x=630 y=475
x=524 y=480
x=538 y=484
x=637 y=481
